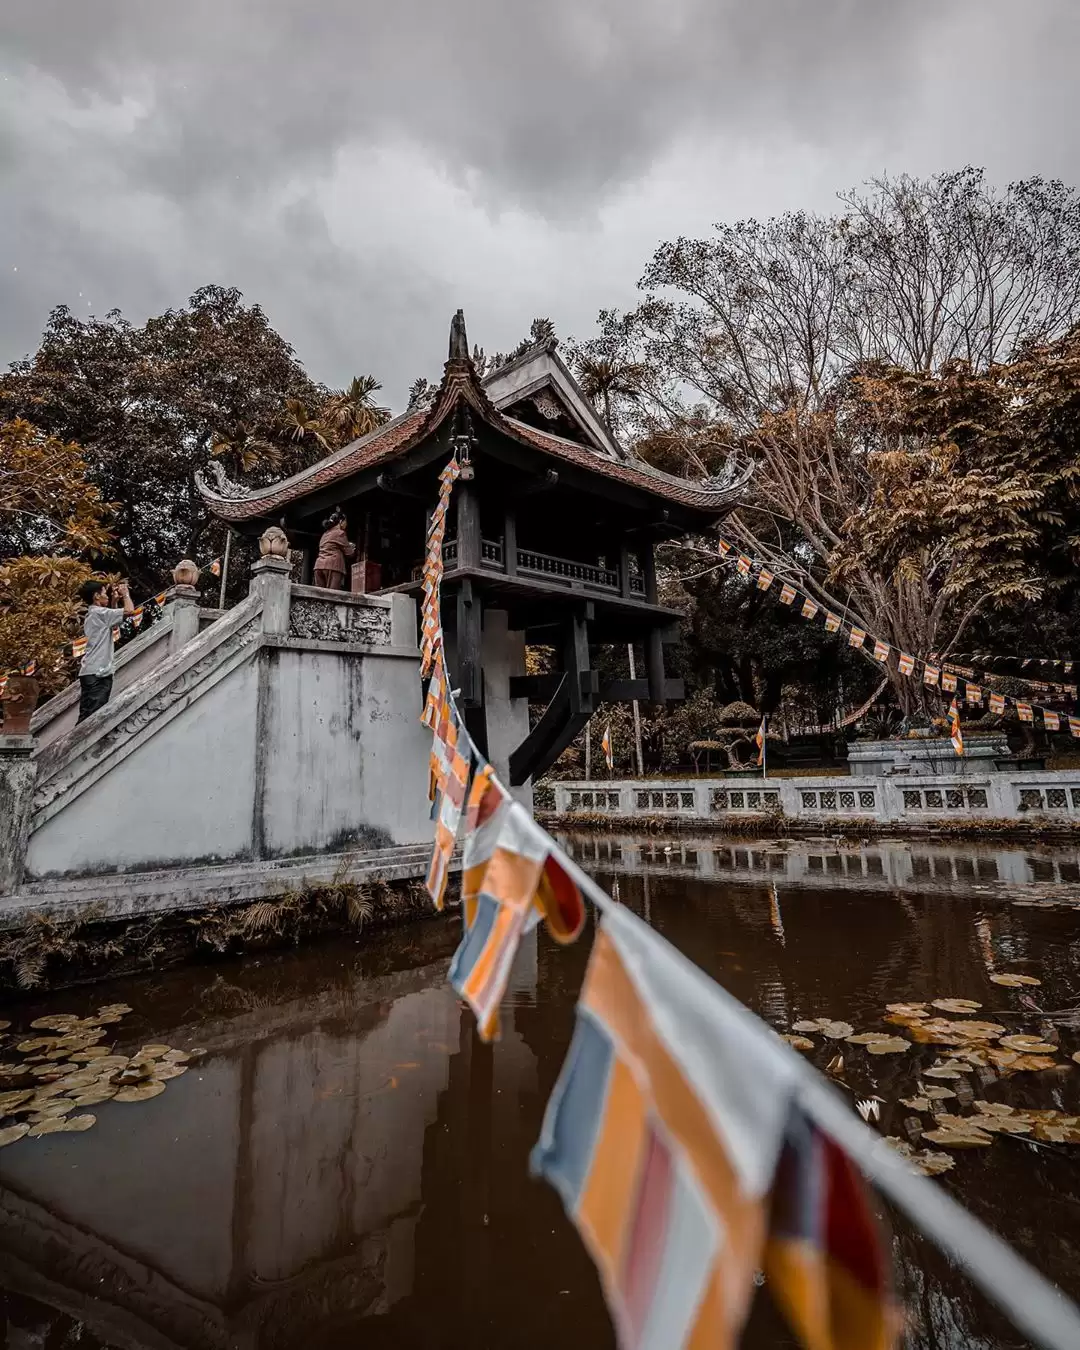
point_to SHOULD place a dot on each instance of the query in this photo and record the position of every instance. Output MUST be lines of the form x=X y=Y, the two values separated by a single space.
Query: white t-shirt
x=100 y=657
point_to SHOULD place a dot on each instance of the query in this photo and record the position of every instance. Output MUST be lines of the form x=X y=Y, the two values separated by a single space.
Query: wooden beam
x=648 y=568
x=510 y=544
x=389 y=484
x=550 y=480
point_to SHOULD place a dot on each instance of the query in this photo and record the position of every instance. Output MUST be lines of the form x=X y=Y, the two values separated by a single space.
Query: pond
x=346 y=1165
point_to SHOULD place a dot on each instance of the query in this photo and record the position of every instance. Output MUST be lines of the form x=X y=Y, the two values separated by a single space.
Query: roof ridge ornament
x=459 y=339
x=223 y=487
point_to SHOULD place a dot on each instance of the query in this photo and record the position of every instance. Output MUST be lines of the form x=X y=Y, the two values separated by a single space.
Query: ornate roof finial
x=459 y=341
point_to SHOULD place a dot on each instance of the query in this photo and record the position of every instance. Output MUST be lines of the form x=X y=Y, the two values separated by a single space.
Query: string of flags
x=983 y=658
x=676 y=1135
x=950 y=678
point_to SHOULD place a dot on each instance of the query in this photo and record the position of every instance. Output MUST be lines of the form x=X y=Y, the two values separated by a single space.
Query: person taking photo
x=105 y=609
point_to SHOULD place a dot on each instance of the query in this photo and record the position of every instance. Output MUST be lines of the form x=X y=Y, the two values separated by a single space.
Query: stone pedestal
x=183 y=603
x=18 y=772
x=270 y=579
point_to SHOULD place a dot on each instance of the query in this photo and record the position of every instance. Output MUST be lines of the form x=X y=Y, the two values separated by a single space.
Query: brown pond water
x=347 y=1166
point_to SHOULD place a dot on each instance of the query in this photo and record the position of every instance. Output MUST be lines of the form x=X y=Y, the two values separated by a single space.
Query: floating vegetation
x=58 y=1075
x=1014 y=981
x=834 y=1031
x=956 y=1005
x=799 y=1042
x=930 y=1164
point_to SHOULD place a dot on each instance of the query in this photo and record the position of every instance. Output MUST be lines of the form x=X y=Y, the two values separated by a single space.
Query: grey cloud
x=148 y=148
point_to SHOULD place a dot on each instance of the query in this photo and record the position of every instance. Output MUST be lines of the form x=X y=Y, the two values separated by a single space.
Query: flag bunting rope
x=690 y=1146
x=963 y=682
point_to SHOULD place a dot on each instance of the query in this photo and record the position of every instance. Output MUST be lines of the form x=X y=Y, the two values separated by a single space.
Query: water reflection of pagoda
x=551 y=542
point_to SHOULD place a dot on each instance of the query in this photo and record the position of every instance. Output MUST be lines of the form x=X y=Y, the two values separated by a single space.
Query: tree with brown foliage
x=51 y=519
x=900 y=374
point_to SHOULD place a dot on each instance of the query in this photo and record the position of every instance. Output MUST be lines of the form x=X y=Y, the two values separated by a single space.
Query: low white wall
x=1004 y=795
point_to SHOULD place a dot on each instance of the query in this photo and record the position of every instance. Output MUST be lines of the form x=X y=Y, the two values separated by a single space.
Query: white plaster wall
x=343 y=756
x=503 y=655
x=185 y=795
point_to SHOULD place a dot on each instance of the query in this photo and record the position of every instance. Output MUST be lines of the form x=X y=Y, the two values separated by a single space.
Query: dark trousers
x=95 y=694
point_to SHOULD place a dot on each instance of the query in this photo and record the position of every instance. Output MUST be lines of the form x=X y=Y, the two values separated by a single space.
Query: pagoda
x=551 y=540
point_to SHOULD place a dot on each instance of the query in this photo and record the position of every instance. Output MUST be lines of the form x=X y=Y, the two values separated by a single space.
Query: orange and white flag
x=1024 y=712
x=724 y=547
x=765 y=579
x=973 y=694
x=906 y=663
x=809 y=608
x=930 y=676
x=948 y=681
x=832 y=622
x=881 y=650
x=955 y=734
x=1051 y=721
x=759 y=741
x=787 y=593
x=743 y=565
x=1074 y=726
x=858 y=637
x=605 y=746
x=997 y=704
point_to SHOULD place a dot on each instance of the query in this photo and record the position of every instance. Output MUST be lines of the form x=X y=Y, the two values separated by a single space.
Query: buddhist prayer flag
x=906 y=663
x=448 y=817
x=881 y=650
x=765 y=579
x=857 y=638
x=136 y=617
x=1024 y=712
x=1051 y=721
x=997 y=704
x=661 y=1138
x=759 y=741
x=1074 y=726
x=832 y=622
x=955 y=734
x=436 y=694
x=1070 y=690
x=787 y=593
x=809 y=608
x=973 y=694
x=160 y=598
x=605 y=746
x=930 y=675
x=524 y=880
x=78 y=647
x=724 y=547
x=825 y=1260
x=215 y=567
x=948 y=681
x=487 y=806
x=743 y=565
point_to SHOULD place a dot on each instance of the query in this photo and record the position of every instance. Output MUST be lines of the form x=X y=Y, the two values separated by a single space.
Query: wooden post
x=468 y=528
x=637 y=715
x=225 y=569
x=648 y=567
x=469 y=621
x=624 y=580
x=510 y=544
x=654 y=659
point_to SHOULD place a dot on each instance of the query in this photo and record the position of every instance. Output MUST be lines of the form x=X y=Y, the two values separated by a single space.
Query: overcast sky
x=362 y=169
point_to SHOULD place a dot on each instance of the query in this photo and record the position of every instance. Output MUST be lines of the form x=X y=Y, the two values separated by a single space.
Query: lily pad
x=958 y=1138
x=916 y=1103
x=1014 y=981
x=835 y=1031
x=943 y=1071
x=10 y=1099
x=36 y=1043
x=913 y=1008
x=11 y=1133
x=1076 y=1057
x=956 y=1005
x=120 y=1008
x=96 y=1096
x=807 y=1024
x=888 y=1045
x=938 y=1094
x=51 y=1126
x=1028 y=1045
x=175 y=1070
x=140 y=1092
x=865 y=1037
x=77 y=1124
x=153 y=1051
x=796 y=1043
x=927 y=1162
